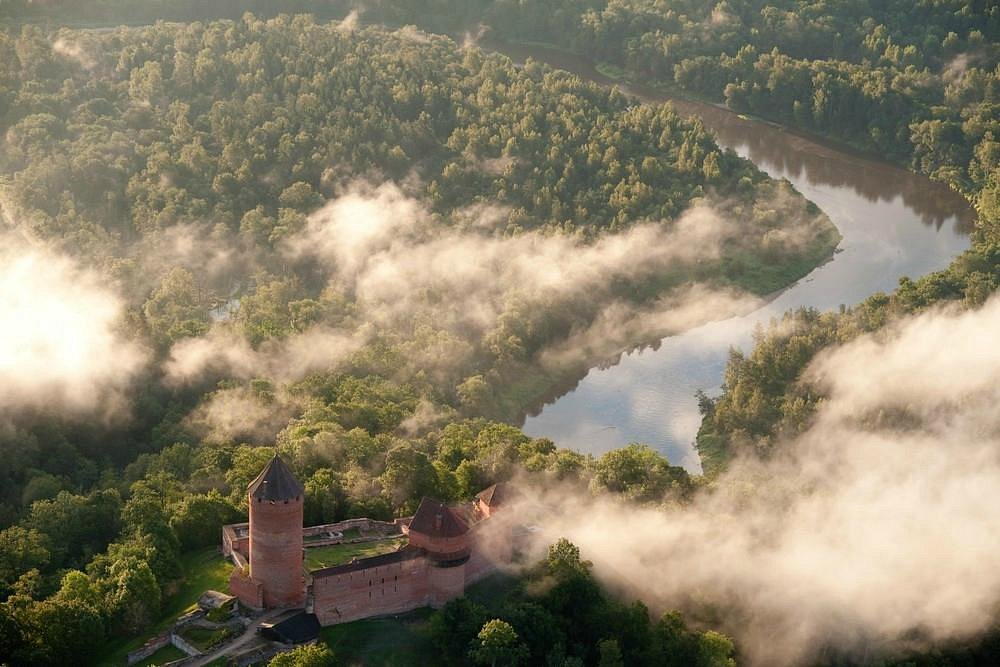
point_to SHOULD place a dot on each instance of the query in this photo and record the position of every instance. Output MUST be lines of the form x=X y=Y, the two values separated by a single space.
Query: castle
x=447 y=548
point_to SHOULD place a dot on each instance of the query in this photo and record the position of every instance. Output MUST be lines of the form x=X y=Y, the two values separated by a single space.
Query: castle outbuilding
x=446 y=548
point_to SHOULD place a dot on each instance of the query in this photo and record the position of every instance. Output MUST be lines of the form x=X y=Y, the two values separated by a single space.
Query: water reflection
x=893 y=222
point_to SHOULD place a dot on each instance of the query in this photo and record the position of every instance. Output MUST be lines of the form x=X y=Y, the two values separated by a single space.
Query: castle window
x=369 y=595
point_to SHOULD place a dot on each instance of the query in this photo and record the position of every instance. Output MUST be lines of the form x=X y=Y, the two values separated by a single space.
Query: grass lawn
x=168 y=653
x=382 y=642
x=203 y=570
x=338 y=554
x=348 y=534
x=204 y=638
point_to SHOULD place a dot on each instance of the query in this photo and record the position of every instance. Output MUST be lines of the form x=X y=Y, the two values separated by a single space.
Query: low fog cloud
x=878 y=529
x=74 y=47
x=211 y=252
x=240 y=414
x=441 y=287
x=622 y=324
x=350 y=22
x=471 y=39
x=223 y=352
x=954 y=70
x=392 y=255
x=60 y=345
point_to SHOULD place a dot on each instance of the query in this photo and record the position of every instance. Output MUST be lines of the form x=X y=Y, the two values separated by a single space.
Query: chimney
x=437 y=521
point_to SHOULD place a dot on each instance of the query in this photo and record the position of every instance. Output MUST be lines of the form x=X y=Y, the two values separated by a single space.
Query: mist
x=241 y=414
x=224 y=352
x=874 y=531
x=390 y=252
x=443 y=287
x=350 y=22
x=61 y=344
x=211 y=252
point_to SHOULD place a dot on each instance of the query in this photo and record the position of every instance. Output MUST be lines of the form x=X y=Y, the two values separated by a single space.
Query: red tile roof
x=435 y=519
x=496 y=495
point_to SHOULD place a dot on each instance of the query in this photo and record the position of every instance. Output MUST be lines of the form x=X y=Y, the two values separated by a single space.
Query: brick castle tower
x=444 y=535
x=275 y=499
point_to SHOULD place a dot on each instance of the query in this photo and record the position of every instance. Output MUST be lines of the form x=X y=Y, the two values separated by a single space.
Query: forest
x=207 y=174
x=214 y=179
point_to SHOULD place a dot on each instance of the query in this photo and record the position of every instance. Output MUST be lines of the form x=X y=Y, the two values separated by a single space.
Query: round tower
x=444 y=535
x=275 y=499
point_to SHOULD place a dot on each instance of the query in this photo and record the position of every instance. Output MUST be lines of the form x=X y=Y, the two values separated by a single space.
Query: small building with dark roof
x=295 y=626
x=493 y=498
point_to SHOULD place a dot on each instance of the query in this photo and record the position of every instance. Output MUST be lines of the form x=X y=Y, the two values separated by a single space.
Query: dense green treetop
x=118 y=143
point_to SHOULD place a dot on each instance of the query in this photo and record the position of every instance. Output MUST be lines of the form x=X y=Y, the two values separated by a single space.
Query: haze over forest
x=362 y=237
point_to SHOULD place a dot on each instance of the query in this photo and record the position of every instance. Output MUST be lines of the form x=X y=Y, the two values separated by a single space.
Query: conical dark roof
x=275 y=482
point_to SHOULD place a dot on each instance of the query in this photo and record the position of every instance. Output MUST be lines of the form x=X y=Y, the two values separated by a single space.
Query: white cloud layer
x=60 y=345
x=393 y=256
x=876 y=530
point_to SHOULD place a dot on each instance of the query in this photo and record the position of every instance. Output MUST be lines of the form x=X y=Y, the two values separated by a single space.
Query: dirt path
x=247 y=637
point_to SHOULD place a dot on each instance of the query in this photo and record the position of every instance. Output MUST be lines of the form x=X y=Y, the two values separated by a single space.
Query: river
x=894 y=223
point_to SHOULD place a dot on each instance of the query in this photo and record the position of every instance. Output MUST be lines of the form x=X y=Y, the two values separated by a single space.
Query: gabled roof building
x=447 y=547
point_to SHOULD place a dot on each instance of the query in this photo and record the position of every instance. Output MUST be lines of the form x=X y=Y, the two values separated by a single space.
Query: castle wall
x=446 y=582
x=248 y=591
x=236 y=538
x=276 y=551
x=387 y=589
x=430 y=571
x=480 y=564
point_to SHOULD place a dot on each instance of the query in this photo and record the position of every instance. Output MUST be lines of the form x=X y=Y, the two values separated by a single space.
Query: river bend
x=894 y=223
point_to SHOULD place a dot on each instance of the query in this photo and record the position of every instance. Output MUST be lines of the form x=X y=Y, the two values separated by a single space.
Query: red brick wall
x=389 y=589
x=248 y=591
x=419 y=582
x=440 y=545
x=276 y=551
x=446 y=583
x=239 y=545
